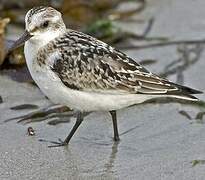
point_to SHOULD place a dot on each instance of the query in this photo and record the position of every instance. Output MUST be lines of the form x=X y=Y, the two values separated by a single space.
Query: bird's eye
x=45 y=24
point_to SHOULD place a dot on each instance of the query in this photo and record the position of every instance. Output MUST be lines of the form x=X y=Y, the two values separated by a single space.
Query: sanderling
x=81 y=72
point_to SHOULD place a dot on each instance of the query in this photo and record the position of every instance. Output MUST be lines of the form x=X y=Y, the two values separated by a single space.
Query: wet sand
x=157 y=142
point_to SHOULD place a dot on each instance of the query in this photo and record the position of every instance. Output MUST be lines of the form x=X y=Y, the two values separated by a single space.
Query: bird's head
x=41 y=23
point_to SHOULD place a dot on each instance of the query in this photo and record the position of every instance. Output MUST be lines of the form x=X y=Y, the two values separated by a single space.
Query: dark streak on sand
x=1 y=100
x=24 y=106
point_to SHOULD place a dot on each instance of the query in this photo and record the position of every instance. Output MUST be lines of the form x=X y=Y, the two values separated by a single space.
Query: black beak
x=24 y=37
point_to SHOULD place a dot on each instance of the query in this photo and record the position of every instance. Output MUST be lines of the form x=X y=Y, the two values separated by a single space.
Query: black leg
x=114 y=121
x=68 y=138
x=75 y=127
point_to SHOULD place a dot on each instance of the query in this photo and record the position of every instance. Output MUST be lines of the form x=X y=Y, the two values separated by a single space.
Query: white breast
x=46 y=79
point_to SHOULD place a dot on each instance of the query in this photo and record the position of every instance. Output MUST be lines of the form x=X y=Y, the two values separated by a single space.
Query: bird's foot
x=116 y=138
x=58 y=143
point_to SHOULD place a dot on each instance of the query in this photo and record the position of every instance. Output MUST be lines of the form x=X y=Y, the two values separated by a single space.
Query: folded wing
x=87 y=64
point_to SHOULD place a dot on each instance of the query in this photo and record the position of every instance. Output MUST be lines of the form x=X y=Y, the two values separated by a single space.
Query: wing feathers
x=94 y=66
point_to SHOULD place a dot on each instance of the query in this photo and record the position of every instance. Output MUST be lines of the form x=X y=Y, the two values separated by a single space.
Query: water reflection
x=108 y=167
x=105 y=170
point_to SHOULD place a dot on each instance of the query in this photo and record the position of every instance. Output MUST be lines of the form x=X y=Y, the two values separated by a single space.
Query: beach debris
x=197 y=162
x=24 y=106
x=185 y=114
x=30 y=131
x=1 y=100
x=51 y=112
x=3 y=24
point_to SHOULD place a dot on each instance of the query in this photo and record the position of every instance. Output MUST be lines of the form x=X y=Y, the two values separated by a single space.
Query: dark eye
x=45 y=24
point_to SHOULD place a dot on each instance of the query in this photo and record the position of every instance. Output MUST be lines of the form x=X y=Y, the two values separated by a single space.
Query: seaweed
x=197 y=162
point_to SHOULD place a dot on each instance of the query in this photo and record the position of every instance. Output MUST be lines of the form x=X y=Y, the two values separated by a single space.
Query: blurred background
x=98 y=18
x=160 y=139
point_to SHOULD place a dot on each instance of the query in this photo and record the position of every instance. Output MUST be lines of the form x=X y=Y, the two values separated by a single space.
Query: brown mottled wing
x=91 y=65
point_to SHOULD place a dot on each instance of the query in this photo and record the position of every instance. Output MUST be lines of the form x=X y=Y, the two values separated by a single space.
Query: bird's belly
x=57 y=92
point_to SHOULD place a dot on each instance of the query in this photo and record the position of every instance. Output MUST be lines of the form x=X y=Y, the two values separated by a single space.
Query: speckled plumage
x=87 y=64
x=37 y=10
x=83 y=73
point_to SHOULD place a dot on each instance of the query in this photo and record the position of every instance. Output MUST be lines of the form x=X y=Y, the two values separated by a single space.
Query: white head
x=41 y=21
x=42 y=24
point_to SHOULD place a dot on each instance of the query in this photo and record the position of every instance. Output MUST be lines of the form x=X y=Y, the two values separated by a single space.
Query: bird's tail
x=185 y=93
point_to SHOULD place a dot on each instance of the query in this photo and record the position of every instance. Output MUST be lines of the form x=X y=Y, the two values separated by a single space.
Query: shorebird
x=74 y=69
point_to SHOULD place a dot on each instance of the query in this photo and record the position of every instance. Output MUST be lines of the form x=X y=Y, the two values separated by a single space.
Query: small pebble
x=31 y=131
